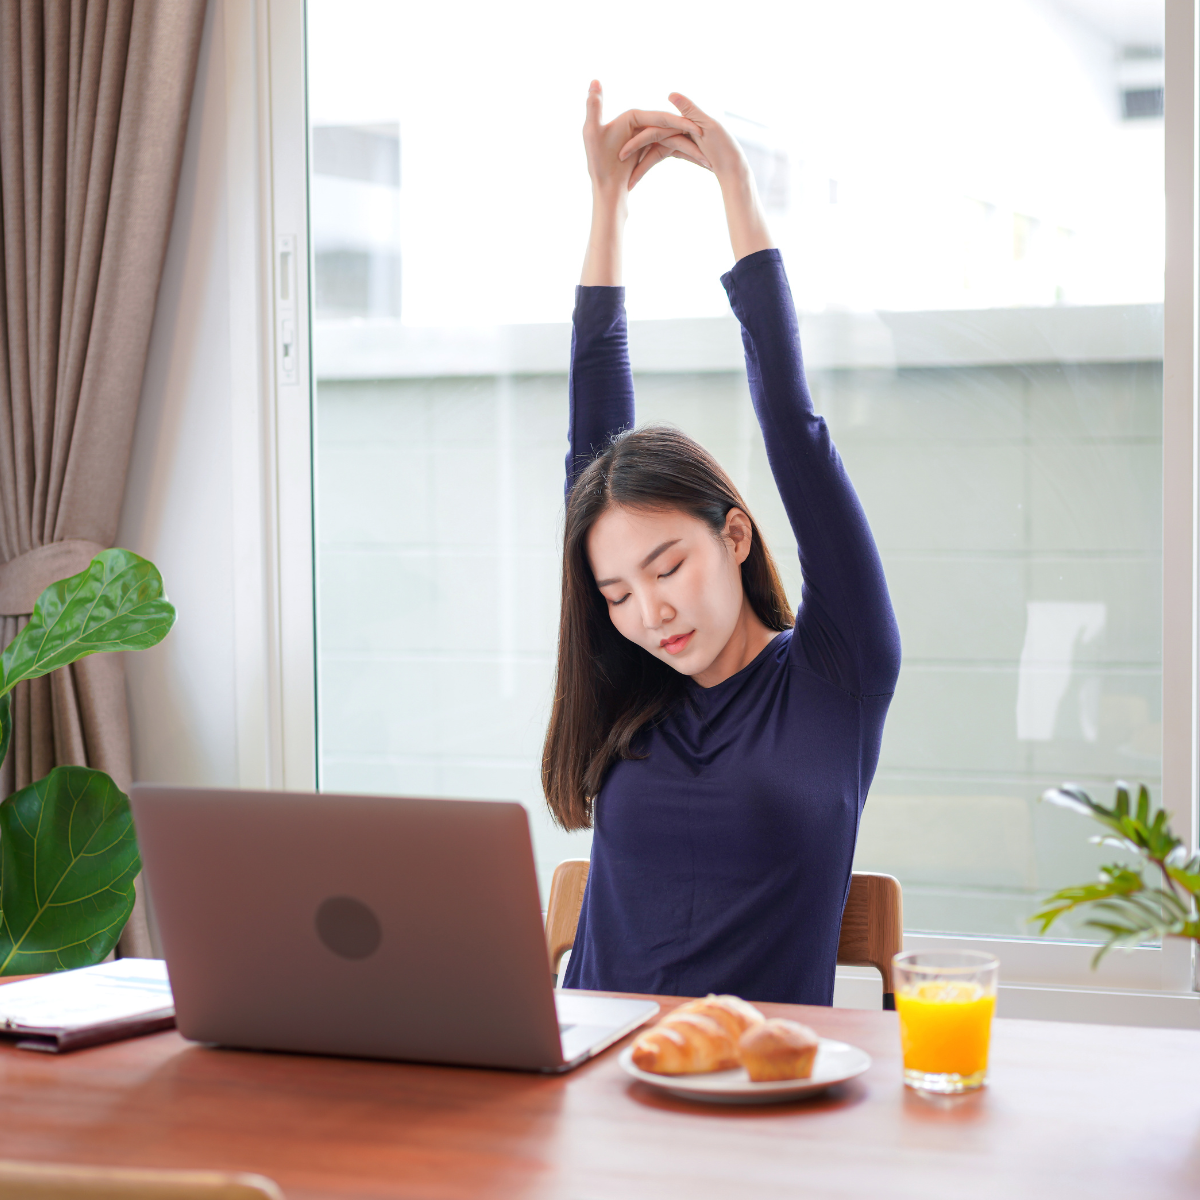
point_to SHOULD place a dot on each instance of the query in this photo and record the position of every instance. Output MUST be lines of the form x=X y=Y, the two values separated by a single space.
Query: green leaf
x=116 y=604
x=1139 y=834
x=5 y=724
x=1143 y=804
x=1115 y=880
x=1134 y=918
x=1121 y=809
x=68 y=857
x=1073 y=797
x=1188 y=877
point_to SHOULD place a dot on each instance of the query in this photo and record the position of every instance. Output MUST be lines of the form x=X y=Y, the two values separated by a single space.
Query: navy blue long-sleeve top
x=721 y=859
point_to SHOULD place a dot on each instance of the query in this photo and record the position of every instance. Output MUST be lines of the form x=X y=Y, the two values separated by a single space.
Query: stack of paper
x=72 y=1009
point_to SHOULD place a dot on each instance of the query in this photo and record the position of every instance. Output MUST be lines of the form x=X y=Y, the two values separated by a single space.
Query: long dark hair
x=606 y=687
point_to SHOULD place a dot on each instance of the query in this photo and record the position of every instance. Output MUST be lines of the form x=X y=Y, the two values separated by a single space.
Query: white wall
x=178 y=510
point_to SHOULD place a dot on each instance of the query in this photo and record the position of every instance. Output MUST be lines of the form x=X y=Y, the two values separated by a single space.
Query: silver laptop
x=362 y=925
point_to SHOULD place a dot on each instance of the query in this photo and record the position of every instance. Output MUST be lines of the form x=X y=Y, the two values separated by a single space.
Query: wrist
x=602 y=263
x=737 y=182
x=610 y=203
x=748 y=230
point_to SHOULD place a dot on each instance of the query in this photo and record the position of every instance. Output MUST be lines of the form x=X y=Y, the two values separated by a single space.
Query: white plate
x=836 y=1062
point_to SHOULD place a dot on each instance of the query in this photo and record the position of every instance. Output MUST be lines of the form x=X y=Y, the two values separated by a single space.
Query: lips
x=673 y=645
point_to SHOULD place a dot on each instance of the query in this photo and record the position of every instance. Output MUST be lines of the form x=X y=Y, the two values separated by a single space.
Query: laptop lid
x=354 y=925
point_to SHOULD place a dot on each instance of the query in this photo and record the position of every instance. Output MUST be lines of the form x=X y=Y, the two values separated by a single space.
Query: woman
x=721 y=751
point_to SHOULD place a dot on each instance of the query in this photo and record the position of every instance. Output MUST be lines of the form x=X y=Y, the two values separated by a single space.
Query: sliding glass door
x=969 y=200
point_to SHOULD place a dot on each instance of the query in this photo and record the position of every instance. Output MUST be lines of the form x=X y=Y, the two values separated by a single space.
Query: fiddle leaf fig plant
x=116 y=604
x=68 y=859
x=68 y=854
x=1122 y=905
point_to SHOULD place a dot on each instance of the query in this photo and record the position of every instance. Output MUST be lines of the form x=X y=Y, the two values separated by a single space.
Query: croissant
x=732 y=1013
x=685 y=1044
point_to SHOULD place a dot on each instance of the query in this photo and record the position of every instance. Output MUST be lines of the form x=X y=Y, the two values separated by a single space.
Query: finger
x=648 y=158
x=595 y=104
x=694 y=161
x=645 y=138
x=684 y=147
x=691 y=111
x=642 y=139
x=671 y=120
x=677 y=147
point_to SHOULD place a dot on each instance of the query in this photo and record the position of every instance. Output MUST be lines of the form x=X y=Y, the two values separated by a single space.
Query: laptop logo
x=348 y=927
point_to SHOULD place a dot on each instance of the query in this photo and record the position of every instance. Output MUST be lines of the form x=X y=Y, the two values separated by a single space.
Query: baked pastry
x=685 y=1044
x=732 y=1013
x=778 y=1049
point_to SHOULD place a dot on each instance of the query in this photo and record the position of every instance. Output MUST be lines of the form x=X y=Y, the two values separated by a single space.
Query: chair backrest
x=562 y=912
x=872 y=923
x=52 y=1181
x=873 y=927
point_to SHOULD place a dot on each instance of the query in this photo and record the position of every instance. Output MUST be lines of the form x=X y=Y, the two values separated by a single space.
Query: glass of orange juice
x=945 y=1001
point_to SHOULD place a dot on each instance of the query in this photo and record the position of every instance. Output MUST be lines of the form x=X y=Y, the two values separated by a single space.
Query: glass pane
x=969 y=202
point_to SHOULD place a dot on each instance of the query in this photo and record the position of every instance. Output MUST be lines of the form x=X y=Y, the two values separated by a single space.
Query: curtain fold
x=94 y=102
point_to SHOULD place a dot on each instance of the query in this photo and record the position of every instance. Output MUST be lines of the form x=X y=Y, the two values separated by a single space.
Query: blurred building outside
x=987 y=351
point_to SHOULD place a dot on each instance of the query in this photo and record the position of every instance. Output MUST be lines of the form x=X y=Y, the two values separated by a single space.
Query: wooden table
x=1072 y=1111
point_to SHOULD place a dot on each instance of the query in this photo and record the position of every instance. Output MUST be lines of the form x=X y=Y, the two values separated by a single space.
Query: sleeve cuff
x=599 y=294
x=738 y=281
x=749 y=266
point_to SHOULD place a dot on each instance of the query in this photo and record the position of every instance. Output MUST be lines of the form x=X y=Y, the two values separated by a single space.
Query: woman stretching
x=721 y=750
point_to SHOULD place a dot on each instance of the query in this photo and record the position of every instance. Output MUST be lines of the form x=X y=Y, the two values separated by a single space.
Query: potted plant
x=1122 y=905
x=68 y=854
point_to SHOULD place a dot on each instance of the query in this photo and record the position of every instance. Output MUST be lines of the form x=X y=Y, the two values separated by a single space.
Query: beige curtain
x=94 y=99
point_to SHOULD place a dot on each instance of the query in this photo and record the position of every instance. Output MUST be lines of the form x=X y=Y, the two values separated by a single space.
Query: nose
x=655 y=611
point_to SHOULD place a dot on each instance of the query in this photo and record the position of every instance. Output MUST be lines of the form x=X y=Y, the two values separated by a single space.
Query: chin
x=688 y=663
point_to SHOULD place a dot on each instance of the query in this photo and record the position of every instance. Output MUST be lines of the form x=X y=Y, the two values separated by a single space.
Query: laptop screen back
x=357 y=925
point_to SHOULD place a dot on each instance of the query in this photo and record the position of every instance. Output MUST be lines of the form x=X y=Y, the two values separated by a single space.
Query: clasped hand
x=621 y=152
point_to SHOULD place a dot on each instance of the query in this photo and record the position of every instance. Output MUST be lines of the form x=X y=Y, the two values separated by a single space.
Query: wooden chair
x=54 y=1181
x=872 y=923
x=873 y=927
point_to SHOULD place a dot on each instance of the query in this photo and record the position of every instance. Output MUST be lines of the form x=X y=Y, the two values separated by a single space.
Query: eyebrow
x=645 y=561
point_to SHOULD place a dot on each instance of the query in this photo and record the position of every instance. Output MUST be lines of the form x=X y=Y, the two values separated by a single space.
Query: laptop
x=367 y=926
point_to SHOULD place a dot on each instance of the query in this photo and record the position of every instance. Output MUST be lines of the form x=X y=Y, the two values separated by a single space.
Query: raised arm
x=601 y=383
x=845 y=627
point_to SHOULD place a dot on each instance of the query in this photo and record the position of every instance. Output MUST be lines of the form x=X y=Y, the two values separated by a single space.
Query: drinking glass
x=945 y=1001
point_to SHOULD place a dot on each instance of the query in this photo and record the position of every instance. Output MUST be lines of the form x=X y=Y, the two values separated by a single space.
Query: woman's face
x=671 y=586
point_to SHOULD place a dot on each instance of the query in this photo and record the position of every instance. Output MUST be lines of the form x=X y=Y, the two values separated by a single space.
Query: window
x=970 y=204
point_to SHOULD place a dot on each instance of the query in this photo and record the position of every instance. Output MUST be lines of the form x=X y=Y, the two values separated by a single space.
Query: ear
x=739 y=533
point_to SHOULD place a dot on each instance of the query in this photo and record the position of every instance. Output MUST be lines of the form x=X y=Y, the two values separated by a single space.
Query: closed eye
x=622 y=600
x=668 y=574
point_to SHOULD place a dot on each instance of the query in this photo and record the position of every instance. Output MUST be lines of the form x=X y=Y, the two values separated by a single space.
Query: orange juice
x=945 y=1027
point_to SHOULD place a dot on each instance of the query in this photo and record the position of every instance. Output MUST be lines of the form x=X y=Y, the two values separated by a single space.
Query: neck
x=748 y=640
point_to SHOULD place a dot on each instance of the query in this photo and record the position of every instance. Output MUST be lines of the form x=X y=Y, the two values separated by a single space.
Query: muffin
x=778 y=1049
